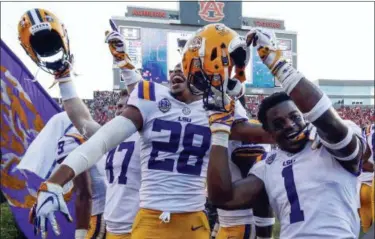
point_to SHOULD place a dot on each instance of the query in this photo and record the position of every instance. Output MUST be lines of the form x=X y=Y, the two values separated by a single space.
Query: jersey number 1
x=296 y=214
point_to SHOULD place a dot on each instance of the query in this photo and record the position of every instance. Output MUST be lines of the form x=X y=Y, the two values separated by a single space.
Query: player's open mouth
x=177 y=80
x=292 y=136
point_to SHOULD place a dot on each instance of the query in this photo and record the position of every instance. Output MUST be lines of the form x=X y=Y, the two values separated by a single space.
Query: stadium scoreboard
x=155 y=38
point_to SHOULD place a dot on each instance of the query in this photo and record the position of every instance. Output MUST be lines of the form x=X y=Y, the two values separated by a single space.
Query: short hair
x=268 y=103
x=124 y=93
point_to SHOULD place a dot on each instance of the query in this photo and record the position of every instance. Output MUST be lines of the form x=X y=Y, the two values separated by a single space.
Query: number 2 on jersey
x=189 y=149
x=296 y=214
x=129 y=147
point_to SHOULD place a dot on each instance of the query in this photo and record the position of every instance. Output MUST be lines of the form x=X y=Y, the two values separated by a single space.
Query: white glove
x=117 y=48
x=49 y=200
x=266 y=47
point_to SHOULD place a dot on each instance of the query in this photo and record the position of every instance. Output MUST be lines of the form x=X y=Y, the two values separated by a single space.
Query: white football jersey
x=312 y=195
x=66 y=144
x=369 y=134
x=175 y=144
x=229 y=218
x=123 y=169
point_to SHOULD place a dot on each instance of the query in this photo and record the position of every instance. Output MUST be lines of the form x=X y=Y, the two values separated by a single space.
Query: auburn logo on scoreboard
x=211 y=11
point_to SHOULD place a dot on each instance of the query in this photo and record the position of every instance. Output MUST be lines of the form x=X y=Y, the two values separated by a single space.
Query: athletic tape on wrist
x=80 y=233
x=352 y=155
x=264 y=221
x=322 y=106
x=288 y=77
x=341 y=144
x=68 y=90
x=220 y=138
x=130 y=76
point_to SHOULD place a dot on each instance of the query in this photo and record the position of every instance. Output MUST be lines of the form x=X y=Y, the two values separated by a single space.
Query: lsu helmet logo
x=211 y=11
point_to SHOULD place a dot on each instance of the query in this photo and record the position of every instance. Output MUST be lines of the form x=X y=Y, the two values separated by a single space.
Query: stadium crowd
x=103 y=106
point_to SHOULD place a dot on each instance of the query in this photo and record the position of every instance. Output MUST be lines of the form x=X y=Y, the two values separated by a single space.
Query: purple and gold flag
x=25 y=109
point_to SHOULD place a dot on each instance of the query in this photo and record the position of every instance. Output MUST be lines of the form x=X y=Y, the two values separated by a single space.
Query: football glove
x=117 y=48
x=222 y=121
x=49 y=200
x=266 y=48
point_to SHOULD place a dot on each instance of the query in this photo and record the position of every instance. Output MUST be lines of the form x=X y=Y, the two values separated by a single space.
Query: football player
x=312 y=192
x=88 y=186
x=123 y=165
x=123 y=169
x=365 y=180
x=243 y=223
x=175 y=141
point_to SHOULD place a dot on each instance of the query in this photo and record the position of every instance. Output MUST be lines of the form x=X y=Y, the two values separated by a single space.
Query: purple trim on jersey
x=247 y=231
x=152 y=91
x=60 y=160
x=68 y=128
x=140 y=90
x=360 y=168
x=50 y=171
x=264 y=156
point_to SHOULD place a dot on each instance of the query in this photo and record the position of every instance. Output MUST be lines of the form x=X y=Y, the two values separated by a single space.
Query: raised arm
x=221 y=192
x=341 y=140
x=77 y=111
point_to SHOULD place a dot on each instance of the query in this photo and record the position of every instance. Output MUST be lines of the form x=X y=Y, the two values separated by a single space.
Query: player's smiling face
x=286 y=125
x=177 y=82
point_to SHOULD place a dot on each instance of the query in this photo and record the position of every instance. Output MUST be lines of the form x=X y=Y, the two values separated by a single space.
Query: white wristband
x=130 y=76
x=220 y=138
x=320 y=108
x=68 y=90
x=80 y=233
x=288 y=77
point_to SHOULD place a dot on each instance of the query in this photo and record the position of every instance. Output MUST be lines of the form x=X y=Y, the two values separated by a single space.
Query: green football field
x=9 y=230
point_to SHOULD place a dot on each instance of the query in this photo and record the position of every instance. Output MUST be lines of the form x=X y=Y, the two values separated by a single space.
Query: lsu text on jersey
x=175 y=142
x=312 y=195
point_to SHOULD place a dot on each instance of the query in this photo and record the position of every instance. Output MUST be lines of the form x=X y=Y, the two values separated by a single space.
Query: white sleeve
x=239 y=112
x=106 y=138
x=259 y=170
x=144 y=99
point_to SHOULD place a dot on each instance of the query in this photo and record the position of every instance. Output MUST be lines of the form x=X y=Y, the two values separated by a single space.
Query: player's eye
x=295 y=117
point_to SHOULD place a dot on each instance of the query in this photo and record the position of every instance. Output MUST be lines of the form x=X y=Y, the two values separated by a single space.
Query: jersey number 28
x=189 y=149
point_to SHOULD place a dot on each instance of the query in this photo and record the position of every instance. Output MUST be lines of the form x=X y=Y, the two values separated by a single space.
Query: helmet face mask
x=211 y=87
x=45 y=40
x=207 y=63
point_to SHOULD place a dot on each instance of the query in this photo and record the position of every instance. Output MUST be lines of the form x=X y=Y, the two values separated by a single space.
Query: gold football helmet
x=43 y=36
x=208 y=60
